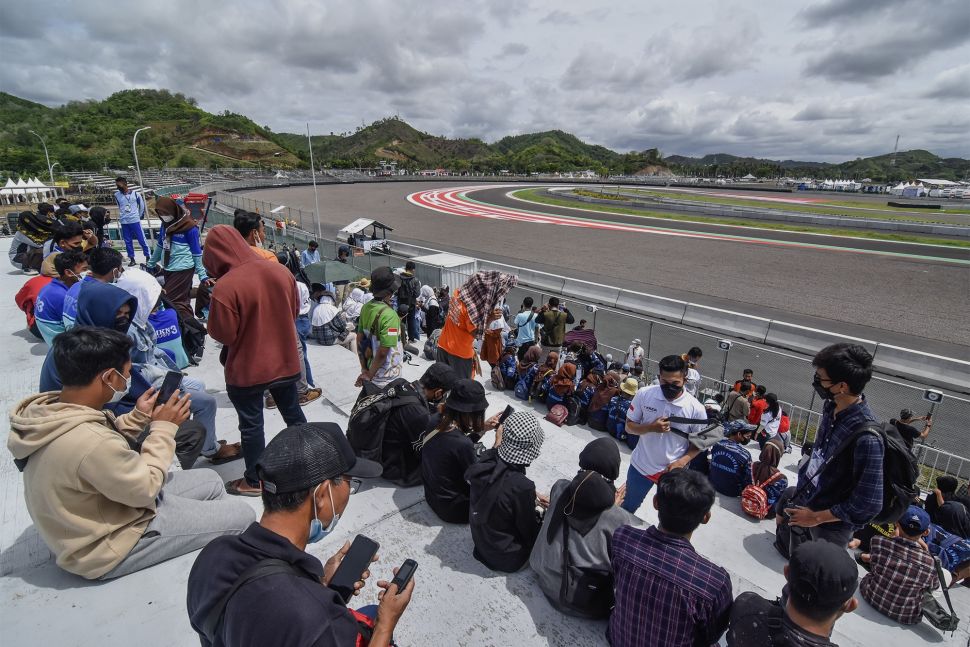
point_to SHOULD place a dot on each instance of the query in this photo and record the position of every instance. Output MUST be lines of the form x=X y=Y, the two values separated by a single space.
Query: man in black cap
x=437 y=381
x=822 y=578
x=910 y=434
x=379 y=332
x=307 y=475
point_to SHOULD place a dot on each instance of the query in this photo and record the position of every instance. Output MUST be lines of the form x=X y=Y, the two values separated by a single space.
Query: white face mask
x=118 y=395
x=257 y=240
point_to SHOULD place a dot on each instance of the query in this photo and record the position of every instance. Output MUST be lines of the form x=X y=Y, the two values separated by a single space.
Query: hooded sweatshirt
x=89 y=494
x=153 y=362
x=252 y=310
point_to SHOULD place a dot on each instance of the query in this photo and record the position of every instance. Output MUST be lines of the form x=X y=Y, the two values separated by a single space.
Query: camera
x=932 y=395
x=724 y=344
x=590 y=308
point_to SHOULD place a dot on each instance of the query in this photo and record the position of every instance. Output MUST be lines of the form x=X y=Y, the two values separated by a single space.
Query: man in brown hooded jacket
x=251 y=312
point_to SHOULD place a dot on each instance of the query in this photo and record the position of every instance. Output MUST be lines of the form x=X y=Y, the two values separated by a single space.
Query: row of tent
x=32 y=190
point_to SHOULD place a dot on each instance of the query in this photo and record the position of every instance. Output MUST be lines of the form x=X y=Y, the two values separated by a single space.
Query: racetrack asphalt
x=919 y=301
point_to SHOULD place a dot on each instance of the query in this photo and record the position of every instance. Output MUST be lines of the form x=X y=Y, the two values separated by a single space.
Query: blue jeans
x=303 y=331
x=637 y=487
x=203 y=411
x=129 y=231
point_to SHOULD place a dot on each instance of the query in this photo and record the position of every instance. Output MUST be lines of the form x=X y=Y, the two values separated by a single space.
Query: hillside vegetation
x=86 y=135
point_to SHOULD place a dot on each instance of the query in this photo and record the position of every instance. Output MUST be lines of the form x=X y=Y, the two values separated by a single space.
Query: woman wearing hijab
x=433 y=319
x=328 y=324
x=562 y=388
x=584 y=511
x=472 y=309
x=180 y=253
x=353 y=304
x=543 y=379
x=767 y=466
x=492 y=344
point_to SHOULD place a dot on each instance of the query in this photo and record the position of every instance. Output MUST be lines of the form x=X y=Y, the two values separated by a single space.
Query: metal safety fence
x=784 y=373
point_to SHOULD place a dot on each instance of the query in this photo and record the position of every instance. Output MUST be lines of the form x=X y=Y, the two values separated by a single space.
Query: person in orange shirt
x=250 y=226
x=472 y=308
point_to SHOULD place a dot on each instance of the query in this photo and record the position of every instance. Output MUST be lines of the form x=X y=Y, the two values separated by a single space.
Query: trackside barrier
x=902 y=361
x=744 y=326
x=808 y=340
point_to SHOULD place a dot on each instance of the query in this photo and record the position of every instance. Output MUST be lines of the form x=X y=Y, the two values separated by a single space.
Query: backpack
x=616 y=424
x=900 y=470
x=585 y=590
x=540 y=386
x=754 y=499
x=498 y=380
x=557 y=415
x=508 y=366
x=431 y=345
x=36 y=227
x=408 y=292
x=523 y=384
x=365 y=429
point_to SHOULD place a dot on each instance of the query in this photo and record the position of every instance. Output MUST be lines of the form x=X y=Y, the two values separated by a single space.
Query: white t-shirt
x=303 y=294
x=654 y=452
x=693 y=381
x=771 y=423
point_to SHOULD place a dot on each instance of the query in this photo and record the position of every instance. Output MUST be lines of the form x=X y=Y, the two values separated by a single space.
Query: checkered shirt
x=902 y=571
x=666 y=594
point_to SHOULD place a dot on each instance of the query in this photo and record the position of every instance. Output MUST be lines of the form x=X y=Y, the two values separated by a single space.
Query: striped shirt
x=666 y=594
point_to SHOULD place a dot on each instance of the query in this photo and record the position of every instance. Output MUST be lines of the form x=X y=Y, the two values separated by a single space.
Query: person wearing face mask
x=105 y=264
x=730 y=467
x=104 y=508
x=849 y=494
x=49 y=307
x=309 y=473
x=583 y=513
x=180 y=252
x=250 y=226
x=659 y=450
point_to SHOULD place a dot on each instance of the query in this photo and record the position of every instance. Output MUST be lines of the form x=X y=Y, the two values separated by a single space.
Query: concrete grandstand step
x=338 y=370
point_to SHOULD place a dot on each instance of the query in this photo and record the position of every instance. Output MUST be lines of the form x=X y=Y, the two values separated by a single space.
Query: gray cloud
x=728 y=79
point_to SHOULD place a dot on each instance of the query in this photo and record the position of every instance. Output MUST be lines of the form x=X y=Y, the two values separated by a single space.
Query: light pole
x=52 y=176
x=313 y=174
x=46 y=156
x=141 y=182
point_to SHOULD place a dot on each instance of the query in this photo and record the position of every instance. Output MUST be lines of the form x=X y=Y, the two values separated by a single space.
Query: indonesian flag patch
x=392 y=332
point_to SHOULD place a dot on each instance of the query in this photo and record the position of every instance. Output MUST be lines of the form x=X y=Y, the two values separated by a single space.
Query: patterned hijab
x=482 y=292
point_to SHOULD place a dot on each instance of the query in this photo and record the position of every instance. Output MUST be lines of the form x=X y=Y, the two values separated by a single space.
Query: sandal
x=233 y=487
x=226 y=453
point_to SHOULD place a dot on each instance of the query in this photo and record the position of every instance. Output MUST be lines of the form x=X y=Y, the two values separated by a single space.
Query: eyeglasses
x=354 y=483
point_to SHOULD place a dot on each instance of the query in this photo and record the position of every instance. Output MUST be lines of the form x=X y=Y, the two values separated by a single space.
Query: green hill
x=84 y=135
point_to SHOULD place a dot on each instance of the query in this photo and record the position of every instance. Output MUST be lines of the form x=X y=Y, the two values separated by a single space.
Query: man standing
x=310 y=255
x=736 y=405
x=308 y=474
x=634 y=354
x=553 y=318
x=525 y=323
x=407 y=295
x=662 y=446
x=251 y=312
x=747 y=375
x=378 y=332
x=910 y=434
x=849 y=494
x=667 y=594
x=131 y=210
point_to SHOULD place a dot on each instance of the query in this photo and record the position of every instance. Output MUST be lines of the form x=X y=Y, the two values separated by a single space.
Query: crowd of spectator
x=115 y=478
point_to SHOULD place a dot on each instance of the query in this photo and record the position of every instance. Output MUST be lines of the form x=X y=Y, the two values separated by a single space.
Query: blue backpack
x=616 y=420
x=508 y=365
x=542 y=384
x=524 y=384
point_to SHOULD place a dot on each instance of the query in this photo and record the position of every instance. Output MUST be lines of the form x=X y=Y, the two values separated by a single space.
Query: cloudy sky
x=828 y=80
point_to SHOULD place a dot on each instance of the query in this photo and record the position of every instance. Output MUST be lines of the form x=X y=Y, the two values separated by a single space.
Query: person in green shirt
x=379 y=332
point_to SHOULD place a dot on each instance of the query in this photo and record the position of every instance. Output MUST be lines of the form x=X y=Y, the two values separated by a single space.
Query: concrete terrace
x=456 y=600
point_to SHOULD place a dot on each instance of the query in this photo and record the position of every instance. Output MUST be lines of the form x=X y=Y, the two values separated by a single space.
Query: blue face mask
x=317 y=531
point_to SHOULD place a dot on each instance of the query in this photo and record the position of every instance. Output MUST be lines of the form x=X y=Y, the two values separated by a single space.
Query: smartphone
x=505 y=414
x=171 y=383
x=352 y=566
x=404 y=574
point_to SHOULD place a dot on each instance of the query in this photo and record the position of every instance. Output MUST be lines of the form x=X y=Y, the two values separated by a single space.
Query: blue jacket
x=168 y=335
x=69 y=313
x=49 y=309
x=186 y=252
x=730 y=467
x=131 y=207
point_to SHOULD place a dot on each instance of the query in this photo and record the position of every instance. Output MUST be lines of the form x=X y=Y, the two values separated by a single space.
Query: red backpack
x=754 y=499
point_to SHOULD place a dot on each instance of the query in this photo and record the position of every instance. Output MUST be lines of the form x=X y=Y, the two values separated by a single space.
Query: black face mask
x=671 y=391
x=122 y=324
x=822 y=391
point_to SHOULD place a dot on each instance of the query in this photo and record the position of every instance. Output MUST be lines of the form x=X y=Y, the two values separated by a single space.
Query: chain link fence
x=786 y=374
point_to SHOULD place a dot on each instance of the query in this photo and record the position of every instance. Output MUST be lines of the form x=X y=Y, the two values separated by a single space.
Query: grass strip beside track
x=827 y=208
x=536 y=196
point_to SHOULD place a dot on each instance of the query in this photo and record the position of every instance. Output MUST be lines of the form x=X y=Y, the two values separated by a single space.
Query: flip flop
x=226 y=459
x=233 y=488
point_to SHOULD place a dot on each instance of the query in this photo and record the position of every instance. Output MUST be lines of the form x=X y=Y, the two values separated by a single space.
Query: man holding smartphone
x=307 y=473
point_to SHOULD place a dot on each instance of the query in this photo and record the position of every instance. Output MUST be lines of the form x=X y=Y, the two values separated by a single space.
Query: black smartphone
x=171 y=383
x=404 y=574
x=505 y=414
x=352 y=566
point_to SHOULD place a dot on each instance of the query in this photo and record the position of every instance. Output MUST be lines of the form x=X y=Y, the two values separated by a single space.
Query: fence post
x=724 y=365
x=649 y=338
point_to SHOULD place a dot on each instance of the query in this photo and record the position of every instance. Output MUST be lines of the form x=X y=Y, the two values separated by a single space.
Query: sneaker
x=30 y=272
x=131 y=262
x=270 y=402
x=310 y=396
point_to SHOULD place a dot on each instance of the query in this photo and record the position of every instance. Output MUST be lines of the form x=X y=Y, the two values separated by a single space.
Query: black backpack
x=365 y=429
x=900 y=470
x=36 y=227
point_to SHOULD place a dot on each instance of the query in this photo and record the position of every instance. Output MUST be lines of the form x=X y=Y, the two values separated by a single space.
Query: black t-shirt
x=281 y=609
x=909 y=433
x=444 y=460
x=749 y=625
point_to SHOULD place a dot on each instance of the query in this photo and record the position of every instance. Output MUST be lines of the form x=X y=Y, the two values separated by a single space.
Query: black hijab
x=591 y=492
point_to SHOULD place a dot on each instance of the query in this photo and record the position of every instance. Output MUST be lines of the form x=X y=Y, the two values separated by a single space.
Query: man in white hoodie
x=103 y=508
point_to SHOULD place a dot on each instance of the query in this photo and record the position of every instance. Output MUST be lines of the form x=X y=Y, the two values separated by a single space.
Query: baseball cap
x=521 y=439
x=821 y=574
x=914 y=521
x=467 y=396
x=303 y=456
x=74 y=208
x=383 y=280
x=438 y=376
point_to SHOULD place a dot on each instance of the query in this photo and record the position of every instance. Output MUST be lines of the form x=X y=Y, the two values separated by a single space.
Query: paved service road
x=919 y=303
